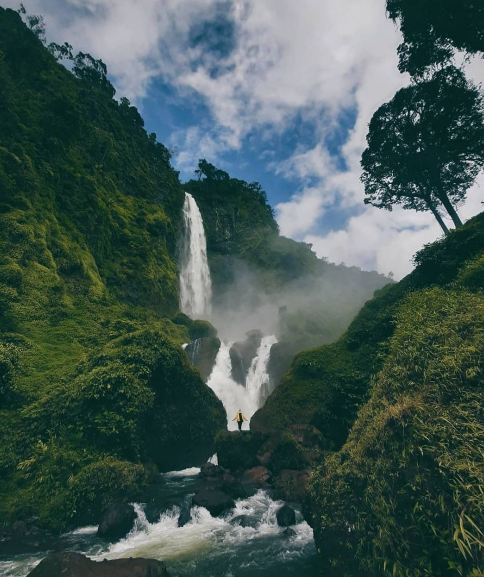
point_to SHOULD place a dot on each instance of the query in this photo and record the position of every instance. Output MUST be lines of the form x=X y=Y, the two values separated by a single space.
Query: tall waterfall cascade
x=195 y=281
x=235 y=396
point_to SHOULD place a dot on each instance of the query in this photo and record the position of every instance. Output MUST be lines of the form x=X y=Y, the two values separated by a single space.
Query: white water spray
x=233 y=395
x=195 y=281
x=257 y=382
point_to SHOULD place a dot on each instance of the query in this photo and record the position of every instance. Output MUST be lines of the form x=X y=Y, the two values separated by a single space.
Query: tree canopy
x=433 y=29
x=426 y=146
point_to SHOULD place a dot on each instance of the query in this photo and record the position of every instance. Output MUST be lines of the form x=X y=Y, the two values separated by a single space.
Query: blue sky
x=274 y=91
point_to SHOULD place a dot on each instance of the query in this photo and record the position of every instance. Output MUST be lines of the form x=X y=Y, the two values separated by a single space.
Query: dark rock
x=210 y=471
x=238 y=451
x=67 y=564
x=288 y=532
x=245 y=521
x=241 y=355
x=291 y=485
x=202 y=353
x=24 y=536
x=286 y=516
x=185 y=511
x=214 y=500
x=117 y=521
x=238 y=490
x=256 y=476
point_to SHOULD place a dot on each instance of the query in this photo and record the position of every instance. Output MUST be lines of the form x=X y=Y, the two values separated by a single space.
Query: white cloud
x=310 y=59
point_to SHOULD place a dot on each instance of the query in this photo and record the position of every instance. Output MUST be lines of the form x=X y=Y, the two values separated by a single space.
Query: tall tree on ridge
x=433 y=29
x=426 y=146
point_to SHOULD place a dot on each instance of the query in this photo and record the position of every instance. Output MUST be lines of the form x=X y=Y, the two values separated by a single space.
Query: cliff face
x=93 y=383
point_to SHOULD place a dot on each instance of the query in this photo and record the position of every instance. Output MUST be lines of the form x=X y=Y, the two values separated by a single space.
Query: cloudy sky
x=278 y=91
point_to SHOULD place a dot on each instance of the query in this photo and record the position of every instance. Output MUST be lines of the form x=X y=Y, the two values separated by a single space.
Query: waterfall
x=233 y=395
x=195 y=282
x=257 y=382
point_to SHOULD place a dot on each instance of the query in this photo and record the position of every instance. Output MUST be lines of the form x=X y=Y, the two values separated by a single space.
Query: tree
x=432 y=29
x=209 y=171
x=426 y=146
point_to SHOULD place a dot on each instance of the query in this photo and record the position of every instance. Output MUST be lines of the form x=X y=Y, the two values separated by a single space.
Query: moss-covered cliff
x=402 y=494
x=94 y=388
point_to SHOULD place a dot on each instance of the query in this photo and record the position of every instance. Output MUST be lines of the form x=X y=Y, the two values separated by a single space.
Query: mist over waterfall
x=233 y=395
x=195 y=281
x=195 y=301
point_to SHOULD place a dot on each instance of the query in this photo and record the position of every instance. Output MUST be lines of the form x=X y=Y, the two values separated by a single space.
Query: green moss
x=408 y=482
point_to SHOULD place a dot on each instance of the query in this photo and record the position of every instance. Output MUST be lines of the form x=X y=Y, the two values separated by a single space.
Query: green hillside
x=94 y=387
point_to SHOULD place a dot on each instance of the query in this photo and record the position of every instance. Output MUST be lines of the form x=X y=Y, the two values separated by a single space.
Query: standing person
x=239 y=417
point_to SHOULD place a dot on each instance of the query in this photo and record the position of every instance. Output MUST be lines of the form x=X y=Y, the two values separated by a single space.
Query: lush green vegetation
x=403 y=497
x=94 y=388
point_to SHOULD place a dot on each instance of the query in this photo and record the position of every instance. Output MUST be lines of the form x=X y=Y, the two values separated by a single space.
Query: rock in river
x=69 y=564
x=286 y=516
x=216 y=501
x=117 y=521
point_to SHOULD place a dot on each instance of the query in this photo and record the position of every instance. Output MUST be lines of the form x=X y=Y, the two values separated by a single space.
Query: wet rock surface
x=68 y=564
x=241 y=355
x=25 y=536
x=117 y=521
x=245 y=521
x=286 y=516
x=202 y=353
x=214 y=500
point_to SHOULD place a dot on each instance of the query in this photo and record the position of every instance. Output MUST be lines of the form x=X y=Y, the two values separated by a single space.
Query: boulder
x=25 y=537
x=214 y=500
x=117 y=521
x=67 y=564
x=238 y=451
x=256 y=476
x=289 y=532
x=245 y=521
x=286 y=516
x=283 y=451
x=211 y=471
x=185 y=515
x=241 y=355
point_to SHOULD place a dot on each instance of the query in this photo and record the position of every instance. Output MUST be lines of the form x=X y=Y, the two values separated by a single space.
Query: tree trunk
x=439 y=219
x=444 y=199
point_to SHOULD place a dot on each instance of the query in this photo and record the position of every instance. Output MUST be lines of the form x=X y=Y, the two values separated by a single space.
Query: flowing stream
x=205 y=547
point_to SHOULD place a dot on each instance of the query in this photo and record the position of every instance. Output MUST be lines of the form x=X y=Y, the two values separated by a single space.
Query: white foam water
x=195 y=281
x=233 y=395
x=204 y=534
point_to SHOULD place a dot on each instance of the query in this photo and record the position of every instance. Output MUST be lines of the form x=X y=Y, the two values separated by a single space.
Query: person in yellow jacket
x=239 y=417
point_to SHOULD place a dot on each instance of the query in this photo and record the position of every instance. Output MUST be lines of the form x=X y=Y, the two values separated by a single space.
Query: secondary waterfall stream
x=233 y=395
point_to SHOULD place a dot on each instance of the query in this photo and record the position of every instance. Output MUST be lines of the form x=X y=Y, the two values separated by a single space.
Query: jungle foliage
x=91 y=370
